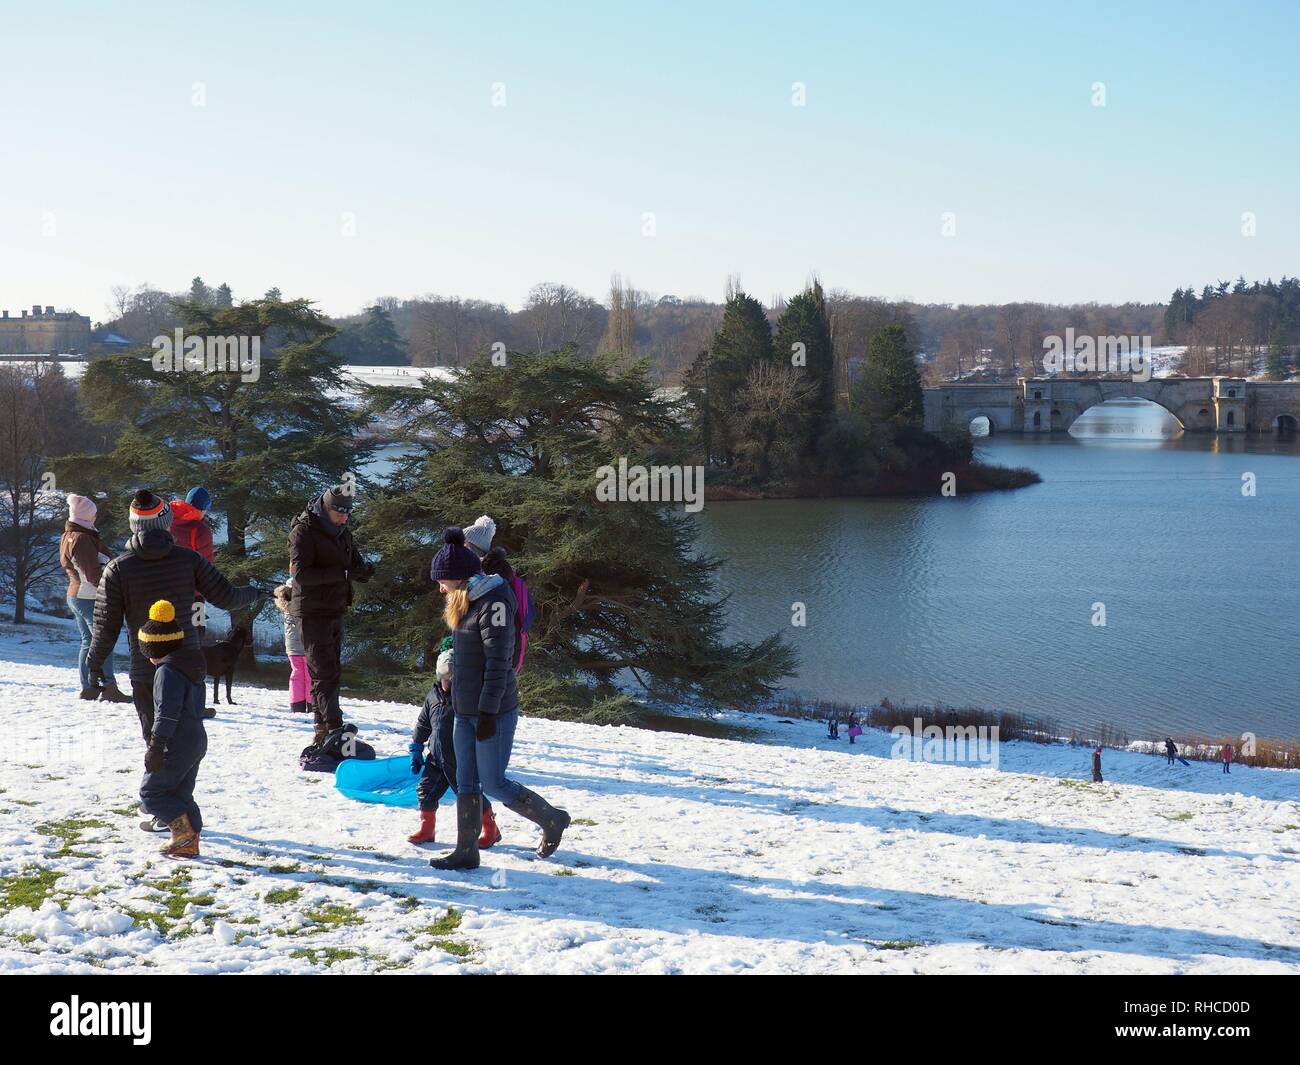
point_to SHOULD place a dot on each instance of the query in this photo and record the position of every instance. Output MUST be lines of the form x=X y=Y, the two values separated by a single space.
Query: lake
x=990 y=599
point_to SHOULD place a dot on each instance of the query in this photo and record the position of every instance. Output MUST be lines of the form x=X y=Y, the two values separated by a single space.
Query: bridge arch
x=999 y=421
x=1286 y=423
x=1199 y=414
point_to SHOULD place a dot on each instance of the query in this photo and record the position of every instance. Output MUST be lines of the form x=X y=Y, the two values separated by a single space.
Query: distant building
x=39 y=332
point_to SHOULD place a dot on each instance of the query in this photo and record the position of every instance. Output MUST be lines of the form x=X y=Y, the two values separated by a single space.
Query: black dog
x=221 y=658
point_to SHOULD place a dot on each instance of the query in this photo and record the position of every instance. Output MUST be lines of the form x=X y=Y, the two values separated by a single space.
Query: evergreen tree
x=261 y=446
x=1275 y=364
x=374 y=341
x=805 y=323
x=620 y=588
x=889 y=387
x=225 y=298
x=742 y=341
x=200 y=293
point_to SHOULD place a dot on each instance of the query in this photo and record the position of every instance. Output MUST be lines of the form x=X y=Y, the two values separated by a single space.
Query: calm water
x=988 y=600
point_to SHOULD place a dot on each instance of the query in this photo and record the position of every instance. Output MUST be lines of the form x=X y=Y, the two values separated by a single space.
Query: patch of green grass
x=444 y=925
x=51 y=776
x=896 y=944
x=565 y=872
x=24 y=802
x=126 y=811
x=146 y=917
x=1186 y=815
x=292 y=867
x=282 y=895
x=408 y=903
x=68 y=832
x=334 y=915
x=29 y=888
x=587 y=821
x=329 y=955
x=441 y=929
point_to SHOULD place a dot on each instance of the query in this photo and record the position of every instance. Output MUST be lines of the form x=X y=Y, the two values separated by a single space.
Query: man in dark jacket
x=154 y=567
x=323 y=563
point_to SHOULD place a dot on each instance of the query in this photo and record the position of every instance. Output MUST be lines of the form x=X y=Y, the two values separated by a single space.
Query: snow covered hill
x=797 y=854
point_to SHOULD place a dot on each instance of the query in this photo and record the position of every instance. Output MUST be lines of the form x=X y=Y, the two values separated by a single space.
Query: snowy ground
x=797 y=854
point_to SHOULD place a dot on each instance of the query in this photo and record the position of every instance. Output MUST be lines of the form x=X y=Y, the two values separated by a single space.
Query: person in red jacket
x=190 y=530
x=188 y=527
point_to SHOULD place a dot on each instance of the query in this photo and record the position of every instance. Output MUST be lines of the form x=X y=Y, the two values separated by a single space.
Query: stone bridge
x=1053 y=404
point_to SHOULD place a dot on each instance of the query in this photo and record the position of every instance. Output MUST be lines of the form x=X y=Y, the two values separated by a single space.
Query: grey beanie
x=148 y=511
x=479 y=535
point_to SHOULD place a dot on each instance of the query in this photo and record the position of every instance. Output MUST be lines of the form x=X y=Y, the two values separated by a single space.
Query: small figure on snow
x=1226 y=755
x=833 y=725
x=299 y=674
x=1096 y=764
x=1171 y=749
x=438 y=770
x=178 y=740
x=855 y=730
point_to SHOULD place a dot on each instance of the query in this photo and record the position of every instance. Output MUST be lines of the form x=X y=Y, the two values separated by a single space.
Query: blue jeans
x=481 y=764
x=84 y=611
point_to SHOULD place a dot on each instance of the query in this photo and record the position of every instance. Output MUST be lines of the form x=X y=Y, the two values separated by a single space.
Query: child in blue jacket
x=438 y=770
x=178 y=741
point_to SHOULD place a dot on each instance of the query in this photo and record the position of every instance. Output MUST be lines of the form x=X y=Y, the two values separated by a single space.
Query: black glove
x=155 y=755
x=487 y=726
x=97 y=680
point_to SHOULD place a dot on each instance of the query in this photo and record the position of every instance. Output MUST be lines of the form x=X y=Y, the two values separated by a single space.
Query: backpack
x=337 y=746
x=524 y=614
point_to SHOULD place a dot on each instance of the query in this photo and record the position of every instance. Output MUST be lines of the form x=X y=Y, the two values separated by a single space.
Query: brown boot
x=185 y=840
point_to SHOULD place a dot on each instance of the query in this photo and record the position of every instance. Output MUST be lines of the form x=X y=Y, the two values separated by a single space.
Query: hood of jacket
x=316 y=509
x=184 y=512
x=483 y=583
x=151 y=543
x=73 y=527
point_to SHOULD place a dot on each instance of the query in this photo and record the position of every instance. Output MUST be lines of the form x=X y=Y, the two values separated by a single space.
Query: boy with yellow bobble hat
x=178 y=741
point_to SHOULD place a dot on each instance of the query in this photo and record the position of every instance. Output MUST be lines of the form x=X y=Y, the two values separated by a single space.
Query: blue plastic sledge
x=384 y=780
x=1185 y=762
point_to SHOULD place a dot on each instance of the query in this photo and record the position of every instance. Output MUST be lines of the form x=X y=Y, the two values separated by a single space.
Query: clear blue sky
x=384 y=111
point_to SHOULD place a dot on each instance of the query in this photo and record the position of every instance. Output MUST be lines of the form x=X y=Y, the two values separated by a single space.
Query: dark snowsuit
x=178 y=719
x=434 y=727
x=323 y=563
x=154 y=567
x=1096 y=767
x=1170 y=750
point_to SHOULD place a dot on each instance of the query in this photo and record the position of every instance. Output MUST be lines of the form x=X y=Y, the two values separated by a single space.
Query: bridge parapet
x=1053 y=404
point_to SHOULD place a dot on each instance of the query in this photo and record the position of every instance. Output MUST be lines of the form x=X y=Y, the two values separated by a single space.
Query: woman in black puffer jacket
x=480 y=611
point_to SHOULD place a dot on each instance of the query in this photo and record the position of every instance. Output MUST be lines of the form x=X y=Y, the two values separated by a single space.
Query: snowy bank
x=795 y=854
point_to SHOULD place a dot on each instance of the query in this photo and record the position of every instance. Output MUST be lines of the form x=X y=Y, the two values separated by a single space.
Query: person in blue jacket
x=433 y=728
x=480 y=610
x=178 y=740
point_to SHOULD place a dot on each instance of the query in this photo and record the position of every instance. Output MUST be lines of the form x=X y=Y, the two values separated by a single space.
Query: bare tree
x=620 y=330
x=38 y=418
x=771 y=407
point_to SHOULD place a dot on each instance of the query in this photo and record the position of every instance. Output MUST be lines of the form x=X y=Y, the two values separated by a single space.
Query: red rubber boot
x=491 y=834
x=425 y=832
